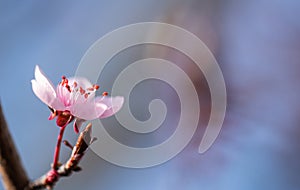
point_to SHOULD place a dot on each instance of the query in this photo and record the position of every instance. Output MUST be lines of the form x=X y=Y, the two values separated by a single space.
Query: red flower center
x=63 y=118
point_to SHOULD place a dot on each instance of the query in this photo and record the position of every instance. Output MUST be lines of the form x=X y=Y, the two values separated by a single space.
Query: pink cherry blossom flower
x=74 y=98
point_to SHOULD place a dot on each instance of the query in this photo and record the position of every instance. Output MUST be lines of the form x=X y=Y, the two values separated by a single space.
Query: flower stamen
x=90 y=89
x=96 y=87
x=81 y=91
x=75 y=88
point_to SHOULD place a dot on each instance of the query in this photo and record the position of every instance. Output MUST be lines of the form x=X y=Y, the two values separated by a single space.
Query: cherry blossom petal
x=41 y=78
x=43 y=88
x=64 y=95
x=77 y=124
x=57 y=105
x=114 y=104
x=88 y=110
x=45 y=95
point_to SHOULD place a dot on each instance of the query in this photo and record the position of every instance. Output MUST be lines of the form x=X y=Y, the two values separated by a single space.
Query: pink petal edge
x=88 y=110
x=41 y=78
x=44 y=90
x=42 y=93
x=114 y=104
x=77 y=124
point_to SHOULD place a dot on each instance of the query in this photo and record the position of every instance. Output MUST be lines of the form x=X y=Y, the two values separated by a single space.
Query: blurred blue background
x=256 y=44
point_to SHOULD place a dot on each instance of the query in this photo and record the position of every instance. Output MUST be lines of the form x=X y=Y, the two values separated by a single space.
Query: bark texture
x=13 y=174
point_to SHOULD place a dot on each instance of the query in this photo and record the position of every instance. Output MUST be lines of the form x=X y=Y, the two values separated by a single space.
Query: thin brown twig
x=71 y=165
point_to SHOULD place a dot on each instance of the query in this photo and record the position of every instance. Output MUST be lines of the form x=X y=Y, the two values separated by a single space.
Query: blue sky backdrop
x=256 y=44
